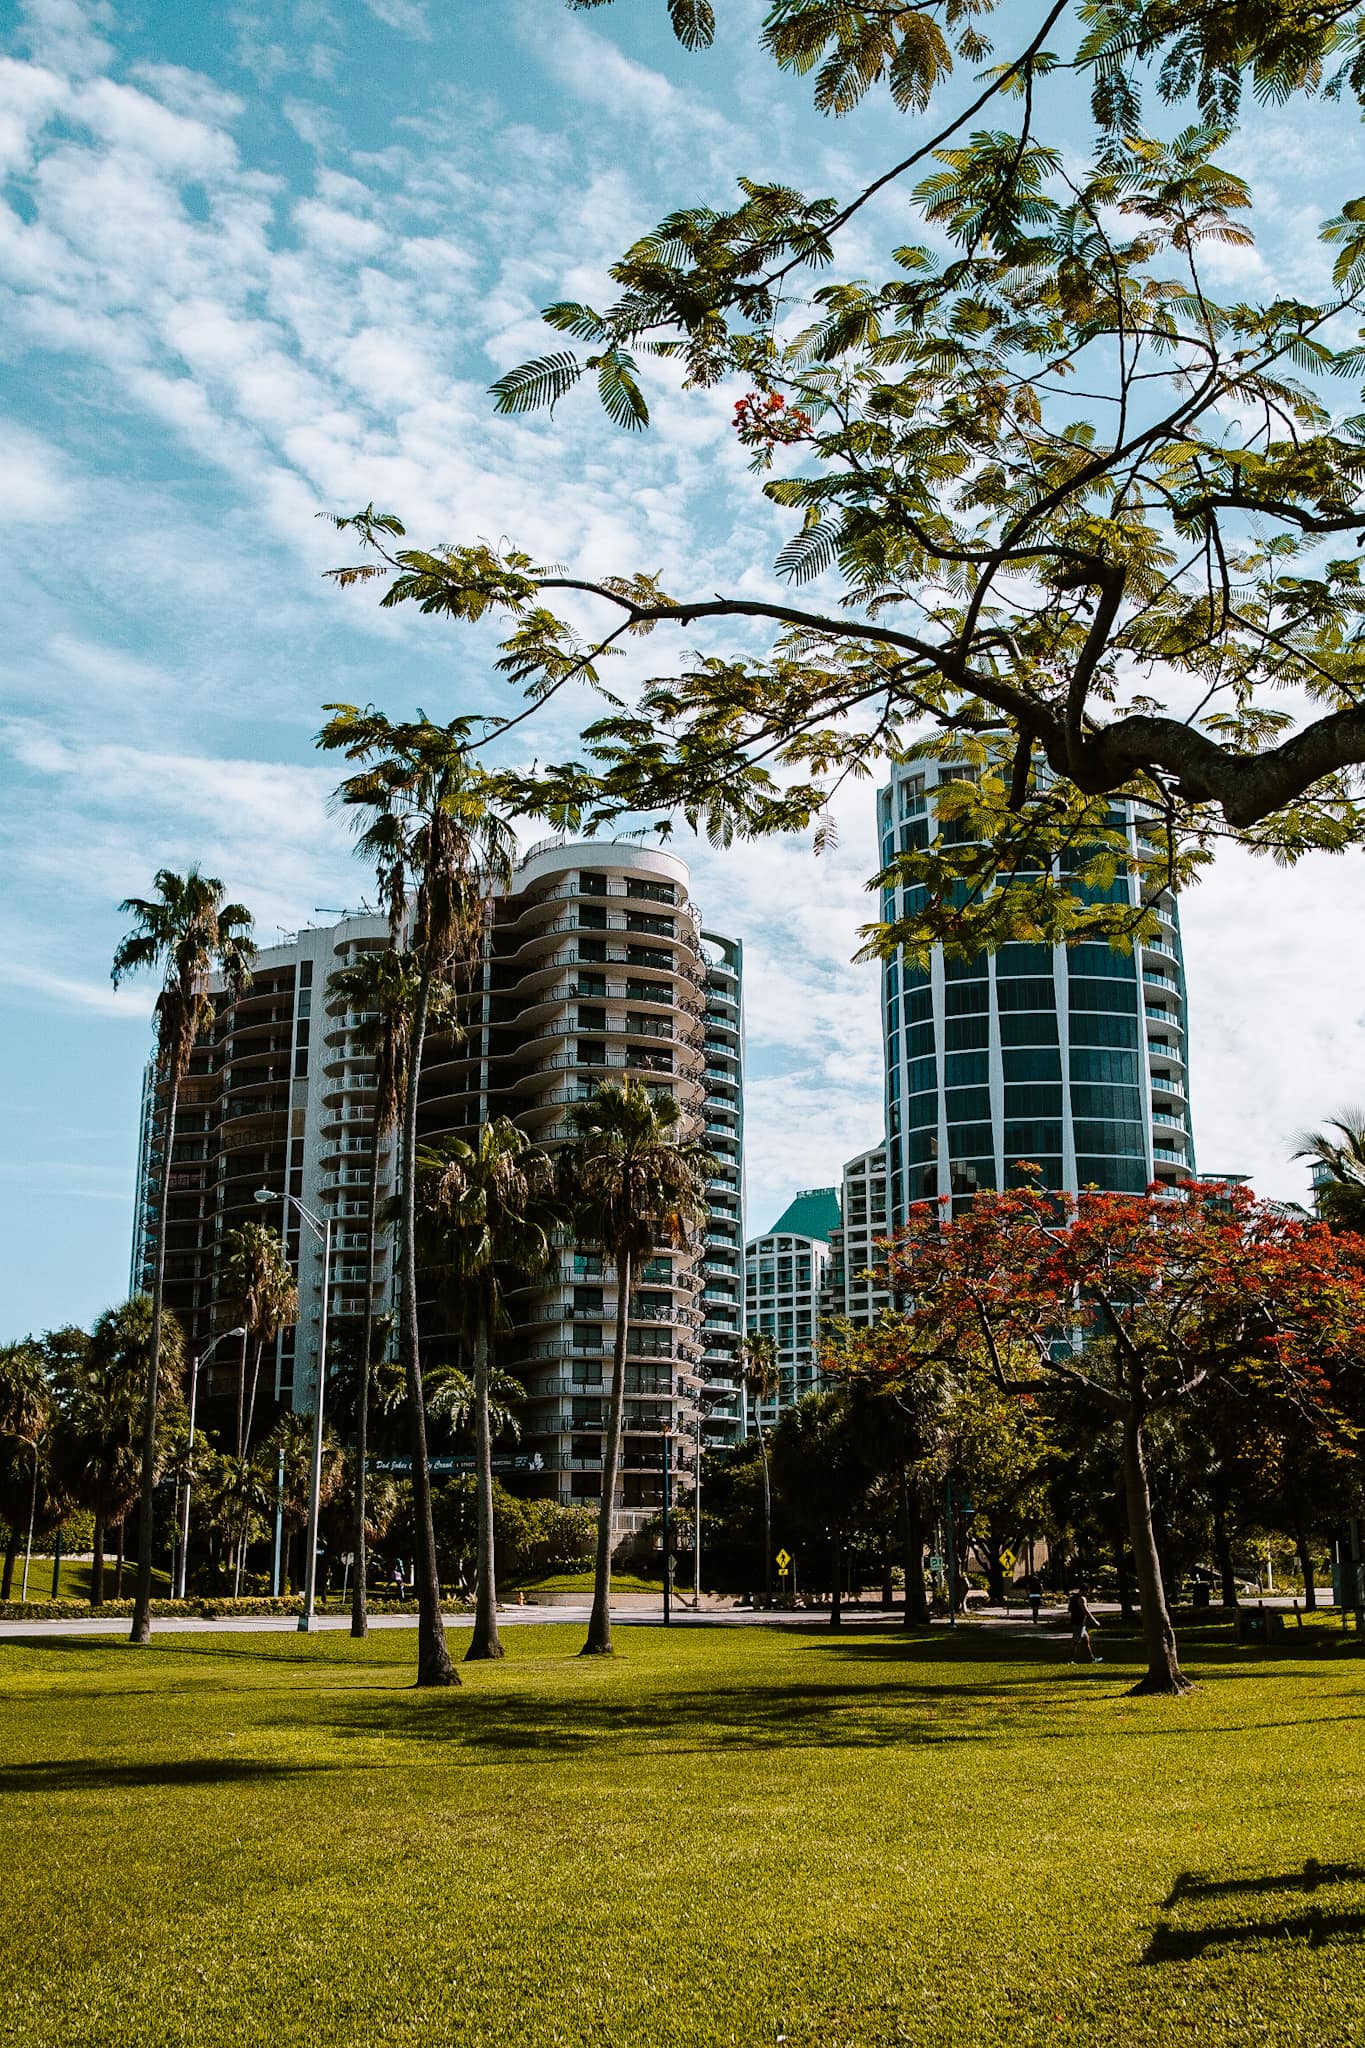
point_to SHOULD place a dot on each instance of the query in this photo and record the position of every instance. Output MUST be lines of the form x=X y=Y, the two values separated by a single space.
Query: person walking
x=1082 y=1621
x=1034 y=1589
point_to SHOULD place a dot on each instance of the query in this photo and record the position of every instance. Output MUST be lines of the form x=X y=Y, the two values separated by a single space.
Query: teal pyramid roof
x=812 y=1213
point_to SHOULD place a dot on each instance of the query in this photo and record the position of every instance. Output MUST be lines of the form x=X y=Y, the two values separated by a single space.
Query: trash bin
x=1199 y=1597
x=1259 y=1624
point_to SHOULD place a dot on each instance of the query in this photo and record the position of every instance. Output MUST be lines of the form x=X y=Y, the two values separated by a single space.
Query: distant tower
x=784 y=1277
x=855 y=1290
x=1071 y=1057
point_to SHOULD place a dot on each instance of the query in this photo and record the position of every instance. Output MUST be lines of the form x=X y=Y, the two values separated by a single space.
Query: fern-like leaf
x=532 y=385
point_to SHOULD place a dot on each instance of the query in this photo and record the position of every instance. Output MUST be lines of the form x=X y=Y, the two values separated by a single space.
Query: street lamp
x=195 y=1363
x=667 y=1539
x=322 y=1230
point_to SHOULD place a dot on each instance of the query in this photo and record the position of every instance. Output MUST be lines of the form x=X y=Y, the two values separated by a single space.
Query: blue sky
x=259 y=261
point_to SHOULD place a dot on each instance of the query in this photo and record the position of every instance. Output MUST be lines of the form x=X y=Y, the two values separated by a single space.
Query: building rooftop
x=812 y=1213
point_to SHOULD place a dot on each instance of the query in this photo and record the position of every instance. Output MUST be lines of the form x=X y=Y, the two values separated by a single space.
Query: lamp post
x=195 y=1363
x=322 y=1230
x=668 y=1554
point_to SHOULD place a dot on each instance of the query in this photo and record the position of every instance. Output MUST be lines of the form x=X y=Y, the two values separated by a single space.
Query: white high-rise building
x=784 y=1277
x=596 y=970
x=855 y=1284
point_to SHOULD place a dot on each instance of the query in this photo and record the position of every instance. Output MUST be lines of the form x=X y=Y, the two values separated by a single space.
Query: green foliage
x=1058 y=489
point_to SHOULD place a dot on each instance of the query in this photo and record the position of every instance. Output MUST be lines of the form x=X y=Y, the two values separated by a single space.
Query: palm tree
x=25 y=1423
x=101 y=1391
x=190 y=934
x=629 y=1181
x=494 y=1205
x=382 y=988
x=440 y=851
x=758 y=1367
x=1339 y=1186
x=263 y=1296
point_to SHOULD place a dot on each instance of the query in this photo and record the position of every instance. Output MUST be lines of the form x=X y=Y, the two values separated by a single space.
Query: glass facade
x=1070 y=1058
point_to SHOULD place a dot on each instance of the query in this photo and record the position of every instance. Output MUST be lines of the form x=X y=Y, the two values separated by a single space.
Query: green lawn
x=75 y=1580
x=723 y=1836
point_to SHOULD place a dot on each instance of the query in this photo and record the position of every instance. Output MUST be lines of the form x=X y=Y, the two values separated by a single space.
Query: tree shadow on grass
x=674 y=1720
x=102 y=1774
x=1314 y=1926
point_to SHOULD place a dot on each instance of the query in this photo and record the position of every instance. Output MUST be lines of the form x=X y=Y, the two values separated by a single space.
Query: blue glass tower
x=1072 y=1057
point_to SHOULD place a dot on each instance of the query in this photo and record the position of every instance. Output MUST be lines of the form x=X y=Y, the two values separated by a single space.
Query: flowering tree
x=1150 y=1303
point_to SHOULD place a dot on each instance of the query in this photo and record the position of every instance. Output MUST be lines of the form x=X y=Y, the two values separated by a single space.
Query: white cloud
x=68 y=992
x=406 y=17
x=36 y=488
x=65 y=34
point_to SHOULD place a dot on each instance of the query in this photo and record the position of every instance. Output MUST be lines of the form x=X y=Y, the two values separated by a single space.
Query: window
x=1042 y=1100
x=1103 y=995
x=961 y=1033
x=1023 y=992
x=965 y=998
x=592 y=885
x=911 y=790
x=1032 y=1140
x=1044 y=1064
x=1038 y=1027
x=966 y=1070
x=921 y=1110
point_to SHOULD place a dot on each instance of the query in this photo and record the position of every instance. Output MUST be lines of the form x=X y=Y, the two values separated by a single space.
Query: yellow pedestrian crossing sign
x=1007 y=1560
x=783 y=1559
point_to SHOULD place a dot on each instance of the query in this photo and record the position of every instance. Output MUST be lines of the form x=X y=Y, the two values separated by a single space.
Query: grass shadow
x=99 y=1774
x=1314 y=1926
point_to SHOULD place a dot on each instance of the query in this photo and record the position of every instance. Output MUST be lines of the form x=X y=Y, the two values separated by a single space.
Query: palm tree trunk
x=241 y=1383
x=599 y=1624
x=118 y=1562
x=360 y=1618
x=141 y=1630
x=1163 y=1674
x=767 y=1516
x=433 y=1656
x=251 y=1403
x=11 y=1553
x=836 y=1598
x=485 y=1641
x=97 y=1565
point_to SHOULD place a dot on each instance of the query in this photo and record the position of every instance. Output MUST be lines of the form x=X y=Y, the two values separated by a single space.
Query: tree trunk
x=836 y=1598
x=251 y=1402
x=11 y=1553
x=1305 y=1557
x=917 y=1610
x=767 y=1516
x=241 y=1383
x=1222 y=1552
x=360 y=1615
x=599 y=1624
x=888 y=1589
x=141 y=1630
x=995 y=1571
x=97 y=1565
x=118 y=1564
x=1163 y=1673
x=433 y=1655
x=485 y=1641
